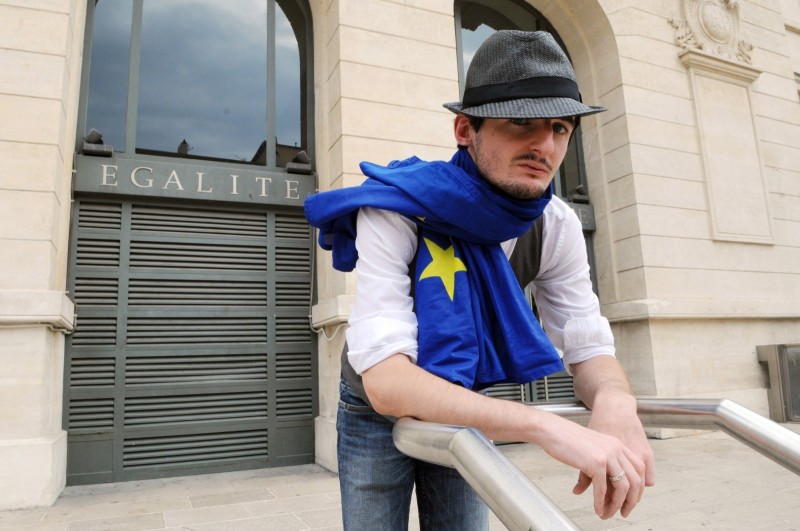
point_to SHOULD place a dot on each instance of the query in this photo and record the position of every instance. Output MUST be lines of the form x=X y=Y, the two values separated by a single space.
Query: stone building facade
x=693 y=175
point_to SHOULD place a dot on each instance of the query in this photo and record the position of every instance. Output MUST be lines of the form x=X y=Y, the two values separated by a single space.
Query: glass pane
x=470 y=41
x=108 y=74
x=203 y=79
x=569 y=173
x=287 y=90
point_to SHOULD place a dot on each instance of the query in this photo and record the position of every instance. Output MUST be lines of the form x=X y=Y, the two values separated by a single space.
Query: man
x=438 y=312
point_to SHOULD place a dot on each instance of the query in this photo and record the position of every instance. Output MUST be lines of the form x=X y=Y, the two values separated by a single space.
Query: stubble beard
x=518 y=190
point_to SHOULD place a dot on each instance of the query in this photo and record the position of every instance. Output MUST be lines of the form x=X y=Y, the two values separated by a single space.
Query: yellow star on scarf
x=444 y=264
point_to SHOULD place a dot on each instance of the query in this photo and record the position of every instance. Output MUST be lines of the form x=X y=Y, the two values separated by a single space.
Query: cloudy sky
x=202 y=76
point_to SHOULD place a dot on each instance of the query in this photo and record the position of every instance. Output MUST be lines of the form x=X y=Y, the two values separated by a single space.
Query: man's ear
x=463 y=131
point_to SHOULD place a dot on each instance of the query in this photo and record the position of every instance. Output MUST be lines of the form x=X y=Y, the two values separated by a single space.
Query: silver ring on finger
x=617 y=477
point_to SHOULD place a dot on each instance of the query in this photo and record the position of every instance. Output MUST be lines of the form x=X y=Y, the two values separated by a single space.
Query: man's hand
x=598 y=457
x=601 y=383
x=616 y=416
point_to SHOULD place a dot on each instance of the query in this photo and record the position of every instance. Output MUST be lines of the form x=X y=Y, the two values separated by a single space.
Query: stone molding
x=53 y=309
x=664 y=309
x=712 y=27
x=336 y=310
x=723 y=68
x=332 y=311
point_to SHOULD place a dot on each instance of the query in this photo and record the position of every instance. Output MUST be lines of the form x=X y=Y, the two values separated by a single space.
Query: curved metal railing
x=758 y=432
x=522 y=506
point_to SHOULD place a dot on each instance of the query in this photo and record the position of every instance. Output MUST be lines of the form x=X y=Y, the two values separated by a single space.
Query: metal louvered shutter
x=192 y=351
x=557 y=386
x=554 y=387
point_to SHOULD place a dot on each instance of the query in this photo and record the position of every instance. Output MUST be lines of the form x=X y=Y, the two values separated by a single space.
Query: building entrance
x=189 y=256
x=192 y=351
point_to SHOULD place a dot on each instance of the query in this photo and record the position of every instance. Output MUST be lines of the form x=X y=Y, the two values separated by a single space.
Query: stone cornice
x=695 y=60
x=336 y=310
x=662 y=309
x=52 y=309
x=332 y=311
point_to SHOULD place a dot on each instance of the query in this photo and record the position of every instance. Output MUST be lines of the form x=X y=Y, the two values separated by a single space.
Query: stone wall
x=697 y=245
x=41 y=43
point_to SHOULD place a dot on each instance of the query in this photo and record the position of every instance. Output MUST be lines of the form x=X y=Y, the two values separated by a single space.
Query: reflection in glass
x=287 y=89
x=481 y=18
x=203 y=78
x=108 y=75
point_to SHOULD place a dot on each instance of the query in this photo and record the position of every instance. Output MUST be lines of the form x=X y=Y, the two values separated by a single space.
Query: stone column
x=41 y=43
x=387 y=68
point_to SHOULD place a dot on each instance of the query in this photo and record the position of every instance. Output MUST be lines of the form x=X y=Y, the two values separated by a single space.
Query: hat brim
x=527 y=108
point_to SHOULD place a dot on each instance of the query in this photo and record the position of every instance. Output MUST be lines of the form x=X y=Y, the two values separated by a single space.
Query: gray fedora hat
x=521 y=74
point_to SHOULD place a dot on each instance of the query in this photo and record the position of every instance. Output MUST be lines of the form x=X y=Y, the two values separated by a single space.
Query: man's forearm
x=399 y=388
x=598 y=376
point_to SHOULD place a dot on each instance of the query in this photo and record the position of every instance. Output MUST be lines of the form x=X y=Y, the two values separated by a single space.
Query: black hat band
x=534 y=87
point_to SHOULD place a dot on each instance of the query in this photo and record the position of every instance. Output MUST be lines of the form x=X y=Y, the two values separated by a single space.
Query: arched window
x=199 y=79
x=478 y=19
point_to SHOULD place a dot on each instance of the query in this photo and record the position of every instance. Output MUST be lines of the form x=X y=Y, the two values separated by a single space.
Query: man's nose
x=542 y=140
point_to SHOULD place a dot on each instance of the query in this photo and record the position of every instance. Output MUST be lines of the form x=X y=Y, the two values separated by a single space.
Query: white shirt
x=383 y=322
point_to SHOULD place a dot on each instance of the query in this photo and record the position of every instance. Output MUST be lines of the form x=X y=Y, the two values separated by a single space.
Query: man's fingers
x=638 y=481
x=583 y=483
x=600 y=488
x=650 y=470
x=632 y=497
x=635 y=472
x=619 y=489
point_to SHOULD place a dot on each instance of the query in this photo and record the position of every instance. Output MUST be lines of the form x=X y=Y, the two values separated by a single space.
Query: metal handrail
x=760 y=433
x=521 y=505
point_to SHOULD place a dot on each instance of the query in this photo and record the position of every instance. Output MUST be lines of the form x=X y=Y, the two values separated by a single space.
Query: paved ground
x=708 y=481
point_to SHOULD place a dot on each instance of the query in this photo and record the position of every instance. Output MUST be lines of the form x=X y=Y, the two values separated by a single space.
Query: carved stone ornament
x=712 y=26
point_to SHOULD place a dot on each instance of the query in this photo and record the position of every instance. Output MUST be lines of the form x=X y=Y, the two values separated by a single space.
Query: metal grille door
x=554 y=387
x=192 y=351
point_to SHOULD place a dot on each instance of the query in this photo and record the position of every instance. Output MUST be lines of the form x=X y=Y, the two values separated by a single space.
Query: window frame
x=296 y=11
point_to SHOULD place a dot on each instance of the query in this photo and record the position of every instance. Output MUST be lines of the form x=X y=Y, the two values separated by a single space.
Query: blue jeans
x=377 y=480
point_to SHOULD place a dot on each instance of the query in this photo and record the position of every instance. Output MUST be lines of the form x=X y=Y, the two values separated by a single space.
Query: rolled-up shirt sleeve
x=569 y=309
x=382 y=322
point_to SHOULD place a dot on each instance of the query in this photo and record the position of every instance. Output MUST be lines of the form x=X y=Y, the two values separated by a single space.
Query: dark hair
x=476 y=122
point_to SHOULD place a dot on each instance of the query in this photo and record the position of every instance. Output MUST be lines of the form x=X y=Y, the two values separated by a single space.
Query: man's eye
x=560 y=128
x=519 y=121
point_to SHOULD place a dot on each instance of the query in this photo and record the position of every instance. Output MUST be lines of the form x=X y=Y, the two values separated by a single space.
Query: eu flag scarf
x=475 y=326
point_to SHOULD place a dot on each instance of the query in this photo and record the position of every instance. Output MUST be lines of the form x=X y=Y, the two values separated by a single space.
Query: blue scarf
x=475 y=326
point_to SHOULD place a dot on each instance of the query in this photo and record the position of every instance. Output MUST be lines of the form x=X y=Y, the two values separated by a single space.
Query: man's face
x=519 y=156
